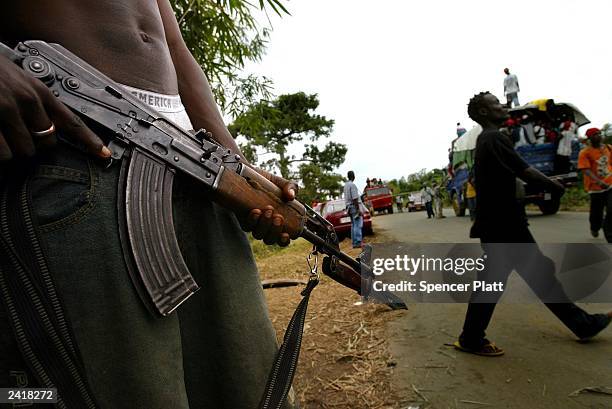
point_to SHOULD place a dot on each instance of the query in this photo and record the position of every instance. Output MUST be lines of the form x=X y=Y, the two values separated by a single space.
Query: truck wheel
x=367 y=231
x=549 y=206
x=390 y=209
x=459 y=208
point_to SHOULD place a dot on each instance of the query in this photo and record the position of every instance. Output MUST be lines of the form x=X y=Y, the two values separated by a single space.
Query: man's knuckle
x=76 y=122
x=8 y=108
x=26 y=98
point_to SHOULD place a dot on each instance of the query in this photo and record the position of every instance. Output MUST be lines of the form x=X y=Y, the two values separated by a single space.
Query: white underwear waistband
x=169 y=106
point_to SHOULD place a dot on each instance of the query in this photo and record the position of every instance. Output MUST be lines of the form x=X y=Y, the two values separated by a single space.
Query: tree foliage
x=416 y=181
x=223 y=35
x=273 y=129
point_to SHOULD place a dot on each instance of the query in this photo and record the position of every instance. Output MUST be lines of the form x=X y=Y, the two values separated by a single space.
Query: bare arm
x=193 y=85
x=595 y=178
x=197 y=96
x=199 y=102
x=533 y=175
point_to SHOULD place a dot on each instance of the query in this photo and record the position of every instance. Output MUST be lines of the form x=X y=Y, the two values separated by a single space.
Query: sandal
x=487 y=349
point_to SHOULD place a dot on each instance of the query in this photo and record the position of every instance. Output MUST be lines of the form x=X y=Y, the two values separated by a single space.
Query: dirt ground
x=368 y=356
x=345 y=360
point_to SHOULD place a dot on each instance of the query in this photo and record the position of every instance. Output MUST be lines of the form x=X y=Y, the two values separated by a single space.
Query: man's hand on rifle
x=266 y=224
x=30 y=115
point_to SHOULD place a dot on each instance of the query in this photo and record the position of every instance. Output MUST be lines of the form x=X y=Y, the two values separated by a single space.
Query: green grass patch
x=262 y=250
x=575 y=199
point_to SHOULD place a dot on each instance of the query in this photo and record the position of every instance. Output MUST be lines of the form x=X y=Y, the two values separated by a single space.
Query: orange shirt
x=599 y=162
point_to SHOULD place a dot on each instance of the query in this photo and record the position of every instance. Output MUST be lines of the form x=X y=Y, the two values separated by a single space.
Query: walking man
x=595 y=162
x=501 y=219
x=511 y=88
x=353 y=207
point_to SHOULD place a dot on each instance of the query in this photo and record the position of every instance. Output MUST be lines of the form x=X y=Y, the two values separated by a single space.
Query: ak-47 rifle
x=151 y=150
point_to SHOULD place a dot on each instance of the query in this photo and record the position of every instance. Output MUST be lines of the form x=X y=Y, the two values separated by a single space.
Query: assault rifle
x=152 y=150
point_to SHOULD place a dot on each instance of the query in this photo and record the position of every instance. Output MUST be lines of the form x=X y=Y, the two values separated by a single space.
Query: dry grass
x=345 y=361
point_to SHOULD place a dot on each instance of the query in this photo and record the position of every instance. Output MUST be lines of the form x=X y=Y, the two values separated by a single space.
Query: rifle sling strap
x=285 y=364
x=32 y=304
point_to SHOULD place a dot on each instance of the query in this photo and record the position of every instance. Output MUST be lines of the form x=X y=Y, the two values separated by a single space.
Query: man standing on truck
x=460 y=130
x=501 y=219
x=353 y=207
x=511 y=88
x=595 y=162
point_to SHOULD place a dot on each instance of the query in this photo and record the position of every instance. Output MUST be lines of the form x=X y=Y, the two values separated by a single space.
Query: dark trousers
x=429 y=208
x=599 y=202
x=215 y=351
x=471 y=204
x=524 y=256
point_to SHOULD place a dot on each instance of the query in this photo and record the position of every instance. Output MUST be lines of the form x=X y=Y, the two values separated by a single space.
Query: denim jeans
x=215 y=351
x=356 y=230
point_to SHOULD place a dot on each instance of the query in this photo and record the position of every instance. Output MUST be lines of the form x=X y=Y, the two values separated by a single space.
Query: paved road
x=543 y=364
x=564 y=227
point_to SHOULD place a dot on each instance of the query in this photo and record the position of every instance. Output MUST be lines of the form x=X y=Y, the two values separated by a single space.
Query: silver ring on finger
x=46 y=132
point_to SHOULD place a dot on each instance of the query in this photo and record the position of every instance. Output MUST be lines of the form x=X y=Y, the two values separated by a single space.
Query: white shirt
x=565 y=143
x=426 y=194
x=511 y=84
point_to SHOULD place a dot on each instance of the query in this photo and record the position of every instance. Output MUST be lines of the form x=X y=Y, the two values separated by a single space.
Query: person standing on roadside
x=501 y=225
x=437 y=201
x=398 y=202
x=595 y=162
x=353 y=207
x=511 y=88
x=427 y=196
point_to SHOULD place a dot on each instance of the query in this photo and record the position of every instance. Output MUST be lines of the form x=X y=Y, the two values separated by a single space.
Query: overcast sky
x=396 y=75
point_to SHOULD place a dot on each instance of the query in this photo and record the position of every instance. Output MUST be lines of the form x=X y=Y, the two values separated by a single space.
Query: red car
x=335 y=212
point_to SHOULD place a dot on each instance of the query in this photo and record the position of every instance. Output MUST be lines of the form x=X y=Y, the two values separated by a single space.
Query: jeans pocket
x=60 y=195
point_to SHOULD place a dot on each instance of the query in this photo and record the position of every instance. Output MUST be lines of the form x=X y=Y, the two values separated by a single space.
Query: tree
x=399 y=186
x=270 y=128
x=318 y=185
x=223 y=35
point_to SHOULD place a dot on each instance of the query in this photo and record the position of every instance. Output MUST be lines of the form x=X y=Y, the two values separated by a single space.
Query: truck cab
x=378 y=198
